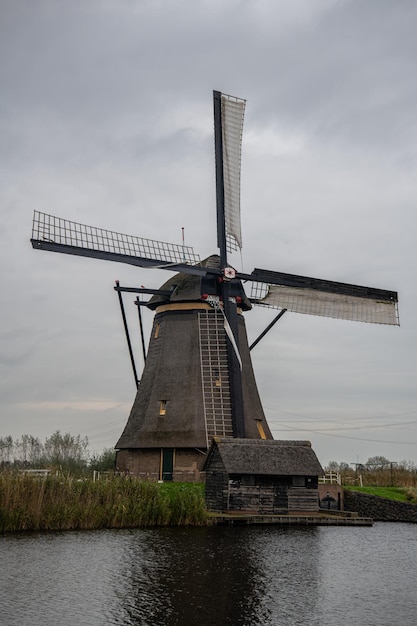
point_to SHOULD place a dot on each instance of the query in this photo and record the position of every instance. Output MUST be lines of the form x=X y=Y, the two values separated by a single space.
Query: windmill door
x=167 y=463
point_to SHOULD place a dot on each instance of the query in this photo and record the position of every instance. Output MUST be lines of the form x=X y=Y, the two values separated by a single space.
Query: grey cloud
x=106 y=119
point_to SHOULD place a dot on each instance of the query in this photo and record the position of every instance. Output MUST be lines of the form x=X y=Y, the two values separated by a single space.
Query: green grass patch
x=401 y=494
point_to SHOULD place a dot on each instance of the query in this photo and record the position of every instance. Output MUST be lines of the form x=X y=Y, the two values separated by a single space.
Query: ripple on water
x=211 y=576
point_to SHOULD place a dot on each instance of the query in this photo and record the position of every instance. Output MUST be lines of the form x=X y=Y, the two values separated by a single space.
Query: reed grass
x=64 y=503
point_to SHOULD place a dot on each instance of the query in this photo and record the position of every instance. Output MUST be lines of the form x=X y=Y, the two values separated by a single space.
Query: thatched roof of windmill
x=266 y=457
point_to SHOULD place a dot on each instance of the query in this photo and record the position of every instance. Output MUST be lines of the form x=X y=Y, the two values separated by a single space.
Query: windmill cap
x=193 y=287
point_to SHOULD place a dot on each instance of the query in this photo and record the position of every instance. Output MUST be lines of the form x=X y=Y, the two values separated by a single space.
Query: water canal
x=248 y=576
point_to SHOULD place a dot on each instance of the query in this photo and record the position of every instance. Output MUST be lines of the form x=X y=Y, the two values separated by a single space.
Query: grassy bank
x=401 y=494
x=63 y=503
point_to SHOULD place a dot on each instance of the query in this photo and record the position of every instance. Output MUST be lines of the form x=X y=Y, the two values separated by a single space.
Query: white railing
x=330 y=478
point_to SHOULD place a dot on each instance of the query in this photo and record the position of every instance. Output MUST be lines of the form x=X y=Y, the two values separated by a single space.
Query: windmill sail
x=228 y=160
x=59 y=235
x=325 y=298
x=228 y=126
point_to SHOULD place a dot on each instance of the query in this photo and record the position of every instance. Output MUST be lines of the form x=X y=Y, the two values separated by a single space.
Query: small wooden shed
x=262 y=476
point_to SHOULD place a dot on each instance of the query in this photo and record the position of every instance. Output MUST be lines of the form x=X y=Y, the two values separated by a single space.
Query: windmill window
x=157 y=327
x=260 y=429
x=162 y=407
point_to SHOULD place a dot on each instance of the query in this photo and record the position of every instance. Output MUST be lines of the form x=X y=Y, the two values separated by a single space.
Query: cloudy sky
x=106 y=119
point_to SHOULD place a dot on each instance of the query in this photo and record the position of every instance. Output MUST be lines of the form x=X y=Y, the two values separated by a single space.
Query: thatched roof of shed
x=266 y=457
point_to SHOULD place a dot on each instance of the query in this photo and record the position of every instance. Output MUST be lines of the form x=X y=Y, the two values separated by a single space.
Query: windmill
x=198 y=380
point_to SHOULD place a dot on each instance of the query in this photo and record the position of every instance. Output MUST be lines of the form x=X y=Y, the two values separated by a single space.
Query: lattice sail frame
x=233 y=113
x=55 y=230
x=324 y=304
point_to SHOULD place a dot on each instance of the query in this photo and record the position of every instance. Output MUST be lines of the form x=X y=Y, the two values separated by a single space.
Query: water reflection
x=217 y=576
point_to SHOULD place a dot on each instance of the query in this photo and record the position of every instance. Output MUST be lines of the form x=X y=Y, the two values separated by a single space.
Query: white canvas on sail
x=336 y=305
x=233 y=111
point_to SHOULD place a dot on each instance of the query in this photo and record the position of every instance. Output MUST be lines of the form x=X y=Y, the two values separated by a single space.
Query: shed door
x=281 y=499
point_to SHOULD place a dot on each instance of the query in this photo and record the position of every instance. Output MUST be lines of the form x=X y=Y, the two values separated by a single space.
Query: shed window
x=248 y=480
x=298 y=481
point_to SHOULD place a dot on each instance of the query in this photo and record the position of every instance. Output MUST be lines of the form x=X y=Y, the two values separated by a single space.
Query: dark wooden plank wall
x=267 y=499
x=216 y=484
x=303 y=499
